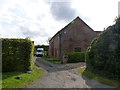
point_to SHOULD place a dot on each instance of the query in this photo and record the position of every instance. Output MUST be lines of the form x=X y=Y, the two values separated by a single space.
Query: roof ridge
x=70 y=23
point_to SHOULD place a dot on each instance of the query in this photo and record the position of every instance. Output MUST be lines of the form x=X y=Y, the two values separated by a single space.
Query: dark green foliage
x=76 y=57
x=46 y=53
x=46 y=47
x=17 y=54
x=104 y=54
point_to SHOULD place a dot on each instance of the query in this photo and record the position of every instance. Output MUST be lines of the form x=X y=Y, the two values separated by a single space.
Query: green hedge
x=17 y=55
x=76 y=57
x=104 y=54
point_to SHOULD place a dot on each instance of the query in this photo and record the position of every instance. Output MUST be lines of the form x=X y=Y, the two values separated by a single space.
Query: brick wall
x=75 y=36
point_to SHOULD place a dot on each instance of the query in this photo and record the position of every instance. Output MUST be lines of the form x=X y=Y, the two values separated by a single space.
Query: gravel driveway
x=63 y=76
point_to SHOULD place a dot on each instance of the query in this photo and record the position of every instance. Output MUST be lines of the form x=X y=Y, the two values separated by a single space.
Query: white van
x=40 y=52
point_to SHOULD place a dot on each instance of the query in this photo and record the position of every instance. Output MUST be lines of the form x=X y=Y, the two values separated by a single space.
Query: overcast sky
x=41 y=19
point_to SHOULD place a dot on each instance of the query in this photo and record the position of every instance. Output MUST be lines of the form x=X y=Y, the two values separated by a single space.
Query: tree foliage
x=46 y=47
x=104 y=52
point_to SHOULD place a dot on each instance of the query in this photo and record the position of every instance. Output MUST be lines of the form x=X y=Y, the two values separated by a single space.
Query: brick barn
x=74 y=37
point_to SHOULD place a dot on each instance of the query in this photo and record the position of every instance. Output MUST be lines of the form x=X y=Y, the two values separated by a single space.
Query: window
x=39 y=50
x=77 y=49
x=85 y=40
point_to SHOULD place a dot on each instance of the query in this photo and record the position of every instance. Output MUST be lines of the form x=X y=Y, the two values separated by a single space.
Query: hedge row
x=17 y=55
x=76 y=57
x=104 y=54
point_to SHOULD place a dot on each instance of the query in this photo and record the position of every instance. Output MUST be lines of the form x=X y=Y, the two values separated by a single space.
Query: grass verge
x=9 y=81
x=53 y=60
x=98 y=78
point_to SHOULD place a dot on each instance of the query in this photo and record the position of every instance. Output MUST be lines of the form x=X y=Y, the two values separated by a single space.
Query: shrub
x=76 y=57
x=104 y=54
x=17 y=54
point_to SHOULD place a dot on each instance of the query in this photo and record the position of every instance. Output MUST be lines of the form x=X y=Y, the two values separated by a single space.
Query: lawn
x=98 y=78
x=53 y=60
x=9 y=81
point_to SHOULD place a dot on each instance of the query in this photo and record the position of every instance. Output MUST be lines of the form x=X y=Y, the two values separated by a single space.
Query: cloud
x=119 y=8
x=18 y=11
x=32 y=18
x=62 y=11
x=25 y=18
x=101 y=12
x=27 y=32
x=41 y=19
x=32 y=33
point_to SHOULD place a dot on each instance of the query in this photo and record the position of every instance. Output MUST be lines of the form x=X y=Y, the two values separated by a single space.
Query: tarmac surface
x=63 y=76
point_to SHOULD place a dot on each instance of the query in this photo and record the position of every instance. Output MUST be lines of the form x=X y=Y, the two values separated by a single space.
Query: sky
x=39 y=20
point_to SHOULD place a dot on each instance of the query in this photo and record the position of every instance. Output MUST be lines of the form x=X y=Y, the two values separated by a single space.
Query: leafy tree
x=104 y=52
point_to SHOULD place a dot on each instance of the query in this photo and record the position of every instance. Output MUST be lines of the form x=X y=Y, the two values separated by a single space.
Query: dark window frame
x=77 y=49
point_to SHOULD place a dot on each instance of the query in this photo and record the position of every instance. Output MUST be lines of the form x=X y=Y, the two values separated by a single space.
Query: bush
x=17 y=55
x=104 y=54
x=76 y=57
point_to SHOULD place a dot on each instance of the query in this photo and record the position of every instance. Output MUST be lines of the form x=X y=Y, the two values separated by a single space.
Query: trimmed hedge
x=104 y=54
x=76 y=57
x=17 y=55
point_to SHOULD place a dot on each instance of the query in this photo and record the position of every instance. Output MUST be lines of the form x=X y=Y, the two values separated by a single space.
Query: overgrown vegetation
x=104 y=53
x=17 y=55
x=98 y=78
x=75 y=57
x=9 y=81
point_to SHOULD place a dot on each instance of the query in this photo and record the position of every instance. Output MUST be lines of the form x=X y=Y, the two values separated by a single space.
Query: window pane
x=77 y=49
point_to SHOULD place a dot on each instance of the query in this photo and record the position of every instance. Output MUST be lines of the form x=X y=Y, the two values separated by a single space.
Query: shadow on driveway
x=55 y=68
x=51 y=67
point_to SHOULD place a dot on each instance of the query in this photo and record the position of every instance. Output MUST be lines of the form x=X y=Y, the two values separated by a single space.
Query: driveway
x=63 y=76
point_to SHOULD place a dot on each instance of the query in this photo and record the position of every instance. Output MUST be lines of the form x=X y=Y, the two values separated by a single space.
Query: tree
x=49 y=38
